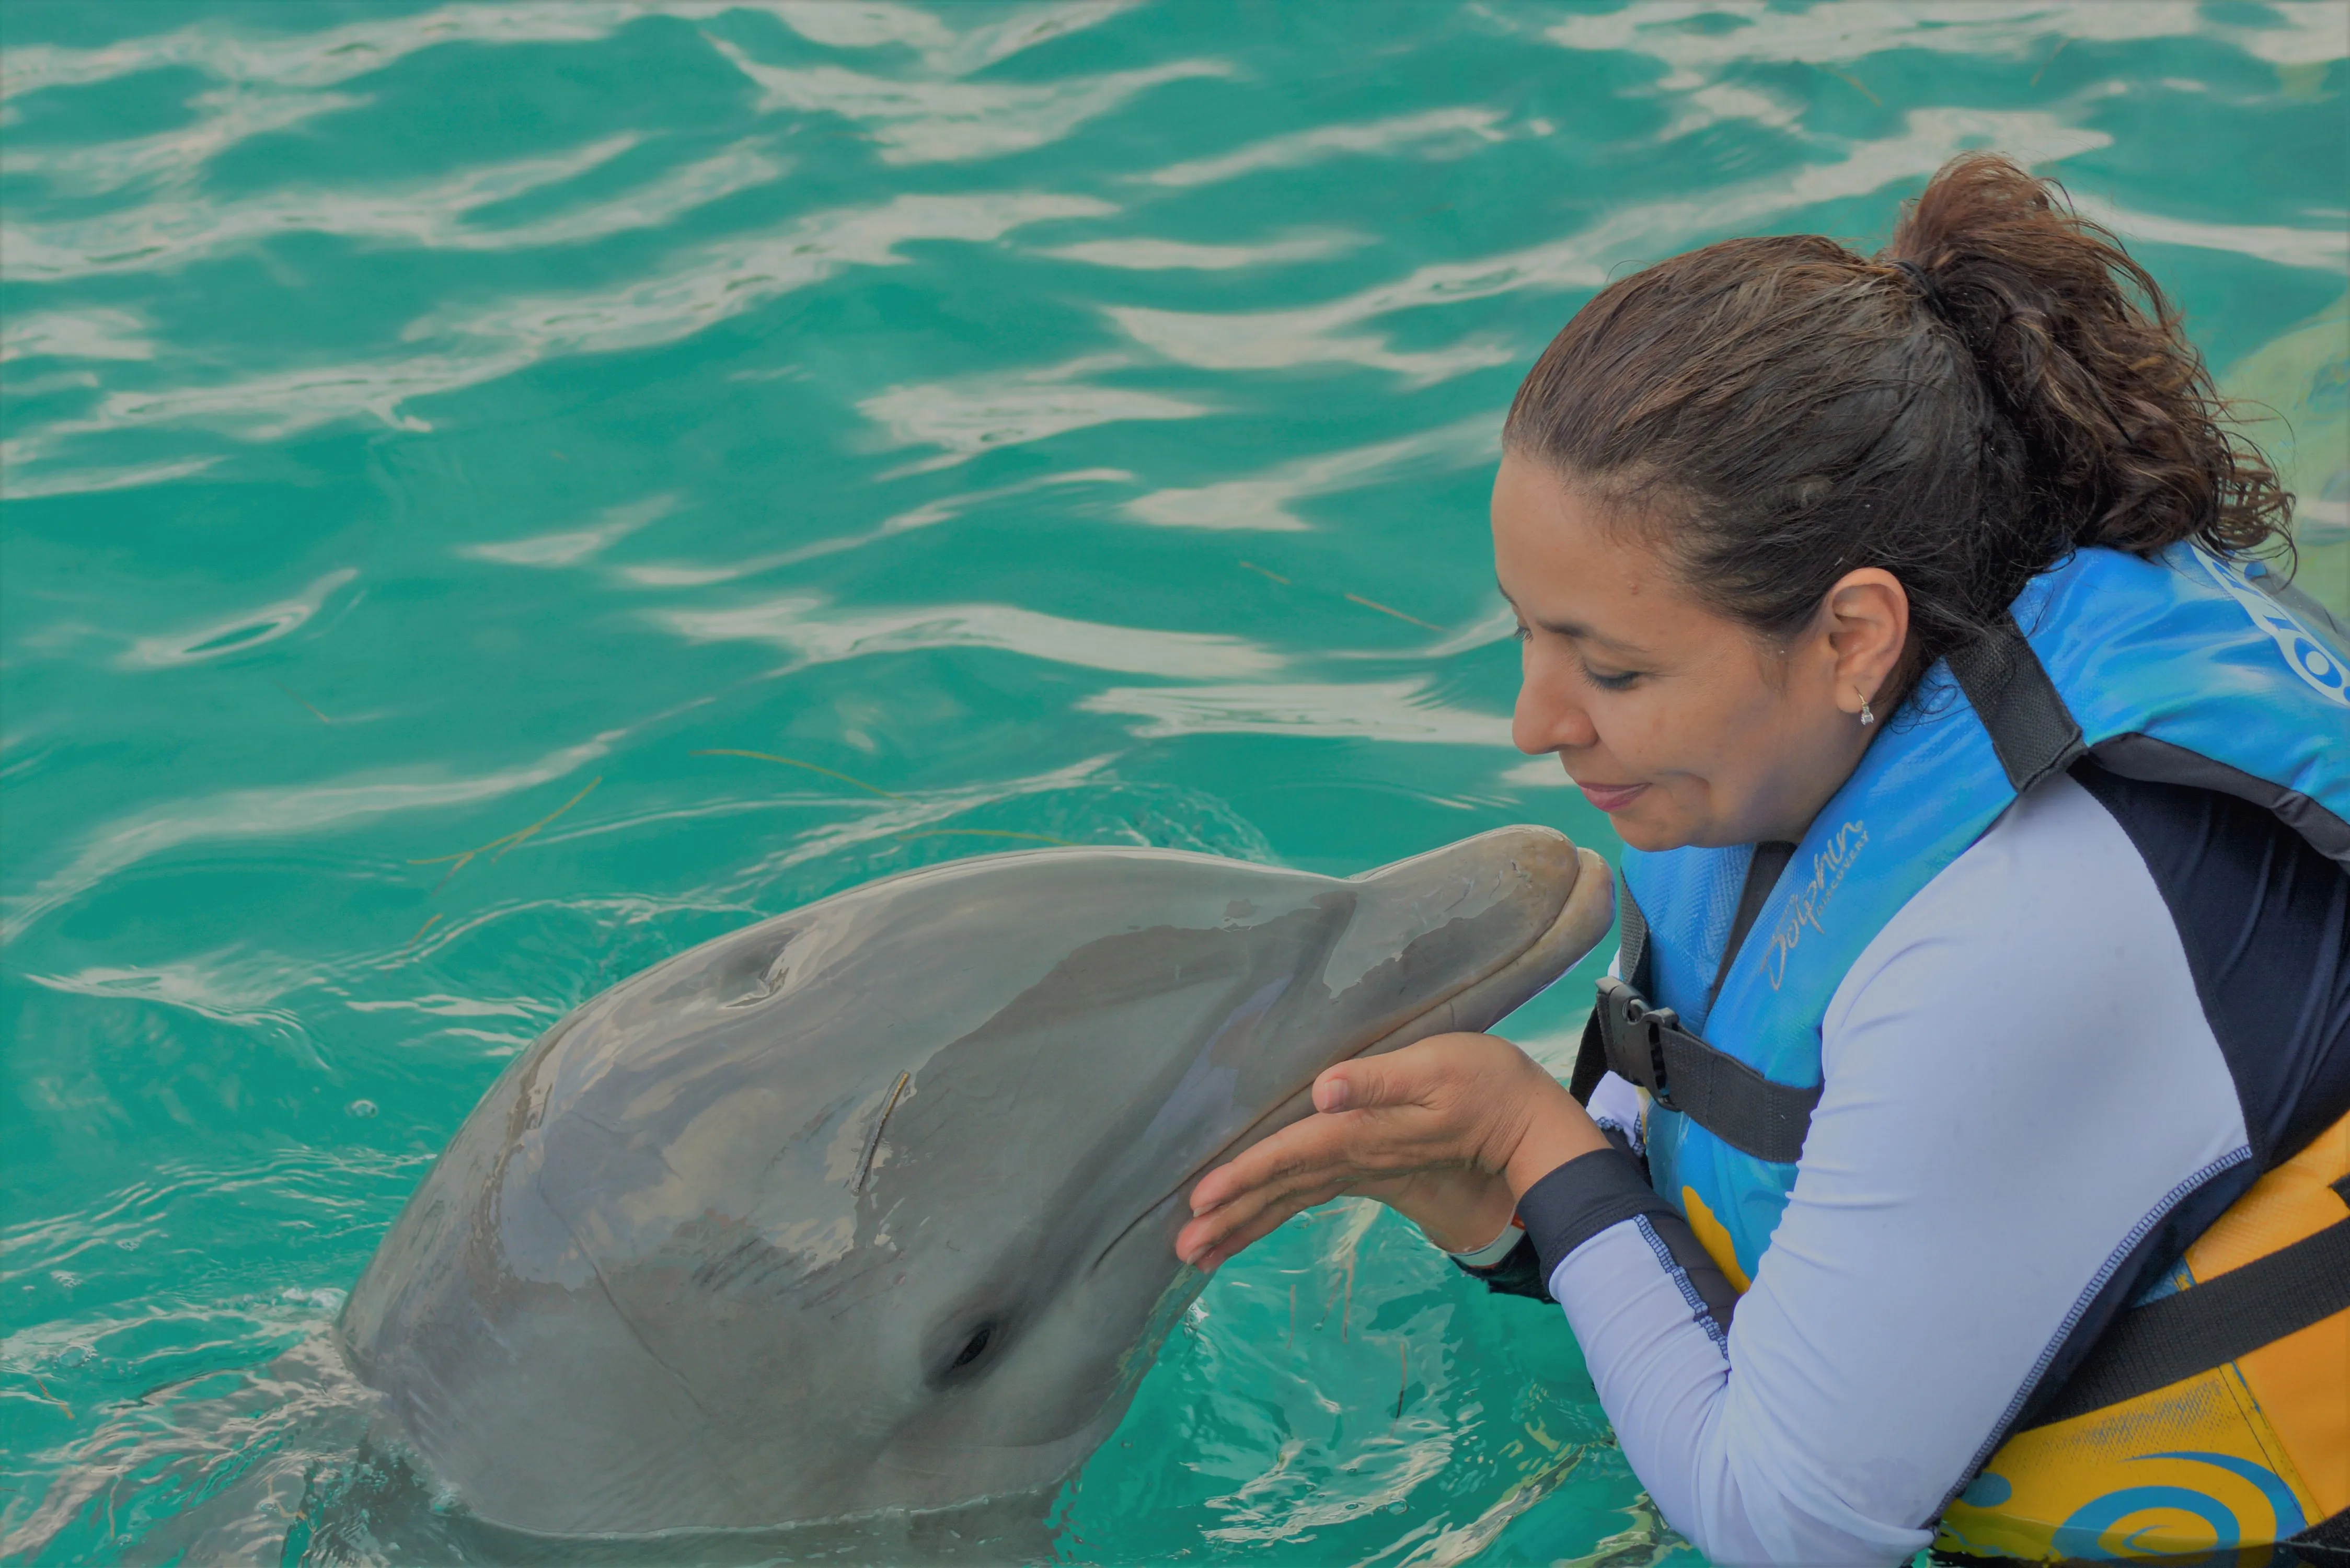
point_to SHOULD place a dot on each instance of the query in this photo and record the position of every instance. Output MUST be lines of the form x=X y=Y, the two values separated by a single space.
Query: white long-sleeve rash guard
x=2019 y=1085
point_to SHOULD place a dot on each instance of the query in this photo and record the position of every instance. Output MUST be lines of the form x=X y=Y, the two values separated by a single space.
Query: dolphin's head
x=871 y=1206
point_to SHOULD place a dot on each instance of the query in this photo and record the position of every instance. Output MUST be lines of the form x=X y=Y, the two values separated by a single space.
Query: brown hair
x=1999 y=387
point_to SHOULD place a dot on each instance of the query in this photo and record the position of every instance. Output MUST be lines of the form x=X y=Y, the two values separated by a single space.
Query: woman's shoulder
x=2054 y=868
x=2126 y=924
x=2050 y=920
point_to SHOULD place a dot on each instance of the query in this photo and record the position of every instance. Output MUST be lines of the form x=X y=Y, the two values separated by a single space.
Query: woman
x=1984 y=1000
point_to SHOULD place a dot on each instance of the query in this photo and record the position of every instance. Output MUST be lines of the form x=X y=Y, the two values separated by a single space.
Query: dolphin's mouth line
x=1244 y=1137
x=1249 y=1134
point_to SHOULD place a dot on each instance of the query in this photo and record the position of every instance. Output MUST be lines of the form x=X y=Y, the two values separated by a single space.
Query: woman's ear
x=1869 y=626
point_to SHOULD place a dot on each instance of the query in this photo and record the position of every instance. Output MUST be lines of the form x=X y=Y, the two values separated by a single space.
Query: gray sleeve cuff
x=1583 y=1198
x=1593 y=1191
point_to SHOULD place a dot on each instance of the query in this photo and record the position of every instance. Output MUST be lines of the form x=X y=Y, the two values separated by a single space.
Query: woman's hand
x=1450 y=1132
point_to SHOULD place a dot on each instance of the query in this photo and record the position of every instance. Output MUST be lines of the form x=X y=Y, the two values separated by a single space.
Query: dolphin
x=870 y=1207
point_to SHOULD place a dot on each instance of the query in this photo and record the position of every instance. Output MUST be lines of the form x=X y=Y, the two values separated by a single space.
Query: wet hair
x=1998 y=387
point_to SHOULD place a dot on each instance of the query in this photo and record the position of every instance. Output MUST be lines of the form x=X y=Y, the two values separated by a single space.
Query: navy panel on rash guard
x=2265 y=920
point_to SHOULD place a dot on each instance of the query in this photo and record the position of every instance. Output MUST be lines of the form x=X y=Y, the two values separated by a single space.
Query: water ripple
x=1269 y=340
x=818 y=633
x=982 y=412
x=1262 y=502
x=935 y=121
x=438 y=214
x=716 y=283
x=1434 y=133
x=1362 y=710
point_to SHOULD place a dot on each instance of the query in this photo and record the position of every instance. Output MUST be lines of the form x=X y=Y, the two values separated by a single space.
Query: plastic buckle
x=1654 y=1021
x=1650 y=1024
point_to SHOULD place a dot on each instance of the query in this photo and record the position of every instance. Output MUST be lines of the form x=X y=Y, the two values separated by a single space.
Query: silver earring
x=1866 y=718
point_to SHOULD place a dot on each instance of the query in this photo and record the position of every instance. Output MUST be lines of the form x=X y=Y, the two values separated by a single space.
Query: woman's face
x=1680 y=724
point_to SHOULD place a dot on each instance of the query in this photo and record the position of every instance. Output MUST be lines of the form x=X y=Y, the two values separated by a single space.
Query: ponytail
x=2083 y=358
x=2002 y=386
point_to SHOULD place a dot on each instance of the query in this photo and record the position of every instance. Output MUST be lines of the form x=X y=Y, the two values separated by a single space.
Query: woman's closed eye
x=1610 y=680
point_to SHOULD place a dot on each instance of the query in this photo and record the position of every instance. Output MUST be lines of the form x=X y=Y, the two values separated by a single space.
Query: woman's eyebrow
x=1573 y=628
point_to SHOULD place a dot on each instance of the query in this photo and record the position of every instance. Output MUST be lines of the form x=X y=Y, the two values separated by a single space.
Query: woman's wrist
x=1556 y=1130
x=1459 y=1211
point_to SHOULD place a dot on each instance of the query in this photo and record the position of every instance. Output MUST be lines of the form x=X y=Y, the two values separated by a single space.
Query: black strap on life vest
x=1647 y=1045
x=2213 y=1322
x=1763 y=874
x=2008 y=687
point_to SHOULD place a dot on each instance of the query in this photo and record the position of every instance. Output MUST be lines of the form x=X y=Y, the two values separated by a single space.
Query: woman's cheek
x=1627 y=723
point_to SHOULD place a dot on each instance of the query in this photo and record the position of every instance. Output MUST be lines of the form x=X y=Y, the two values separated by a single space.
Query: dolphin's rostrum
x=870 y=1205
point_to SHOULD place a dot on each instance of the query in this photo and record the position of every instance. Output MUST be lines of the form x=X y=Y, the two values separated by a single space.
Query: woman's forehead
x=1558 y=563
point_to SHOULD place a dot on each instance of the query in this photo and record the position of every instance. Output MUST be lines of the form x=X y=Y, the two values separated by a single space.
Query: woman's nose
x=1548 y=719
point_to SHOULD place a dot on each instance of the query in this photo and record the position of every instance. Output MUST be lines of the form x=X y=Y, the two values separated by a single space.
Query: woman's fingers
x=1316 y=1143
x=1429 y=1106
x=1307 y=1163
x=1365 y=1082
x=1210 y=1239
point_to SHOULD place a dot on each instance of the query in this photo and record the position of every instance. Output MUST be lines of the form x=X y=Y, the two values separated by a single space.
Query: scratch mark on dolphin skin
x=732 y=1269
x=834 y=1289
x=1260 y=571
x=595 y=1272
x=873 y=1138
x=505 y=842
x=420 y=933
x=796 y=762
x=722 y=1269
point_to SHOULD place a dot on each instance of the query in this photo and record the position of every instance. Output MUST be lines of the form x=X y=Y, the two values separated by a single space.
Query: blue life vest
x=2186 y=670
x=2180 y=669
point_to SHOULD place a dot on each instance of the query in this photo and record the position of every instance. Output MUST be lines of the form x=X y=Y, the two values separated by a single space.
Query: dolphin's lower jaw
x=941 y=1476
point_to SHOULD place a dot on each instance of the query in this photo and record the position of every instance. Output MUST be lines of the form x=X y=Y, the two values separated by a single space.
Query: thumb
x=1365 y=1083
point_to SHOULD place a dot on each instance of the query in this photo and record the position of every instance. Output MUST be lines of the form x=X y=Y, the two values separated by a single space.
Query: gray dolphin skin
x=870 y=1206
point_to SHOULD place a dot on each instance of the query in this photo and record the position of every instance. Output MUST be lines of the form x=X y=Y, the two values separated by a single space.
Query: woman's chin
x=1652 y=831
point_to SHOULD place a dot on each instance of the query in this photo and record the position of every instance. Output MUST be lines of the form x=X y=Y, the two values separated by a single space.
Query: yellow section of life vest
x=1714 y=1237
x=2231 y=1459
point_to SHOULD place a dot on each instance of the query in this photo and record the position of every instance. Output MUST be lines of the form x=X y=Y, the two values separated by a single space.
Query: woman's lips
x=1610 y=798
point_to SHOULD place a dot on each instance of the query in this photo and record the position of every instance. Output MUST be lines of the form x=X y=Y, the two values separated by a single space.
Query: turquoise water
x=442 y=444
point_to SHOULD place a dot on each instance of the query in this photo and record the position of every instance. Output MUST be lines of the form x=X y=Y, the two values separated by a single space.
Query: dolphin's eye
x=969 y=1344
x=962 y=1359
